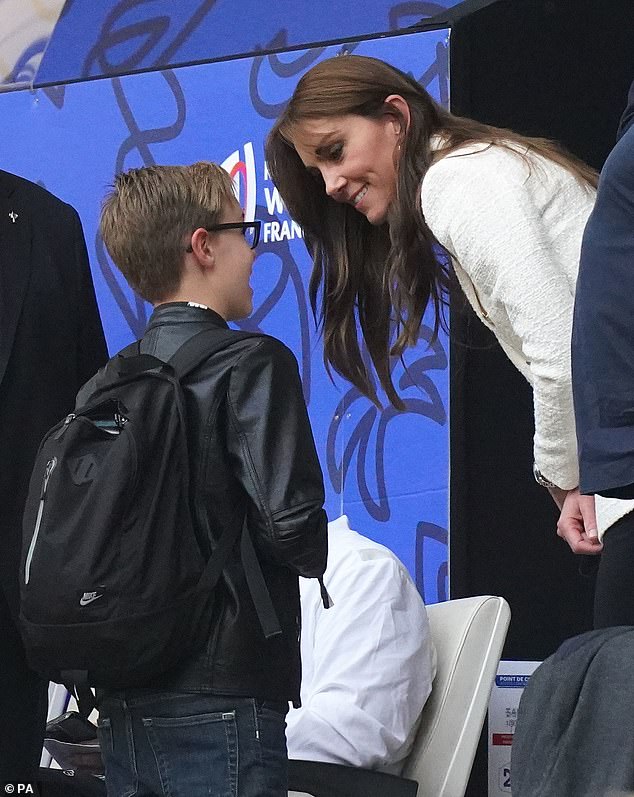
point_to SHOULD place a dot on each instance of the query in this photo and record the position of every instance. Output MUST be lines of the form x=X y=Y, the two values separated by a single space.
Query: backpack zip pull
x=50 y=467
x=70 y=417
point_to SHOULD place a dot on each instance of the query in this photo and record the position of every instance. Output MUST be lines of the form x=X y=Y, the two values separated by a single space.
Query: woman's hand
x=577 y=524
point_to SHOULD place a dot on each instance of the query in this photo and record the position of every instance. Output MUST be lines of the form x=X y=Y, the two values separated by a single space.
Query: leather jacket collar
x=178 y=312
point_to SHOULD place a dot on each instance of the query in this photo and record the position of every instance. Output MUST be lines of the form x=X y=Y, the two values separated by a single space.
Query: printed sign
x=507 y=690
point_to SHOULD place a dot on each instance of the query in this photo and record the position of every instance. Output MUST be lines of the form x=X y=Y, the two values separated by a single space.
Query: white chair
x=469 y=635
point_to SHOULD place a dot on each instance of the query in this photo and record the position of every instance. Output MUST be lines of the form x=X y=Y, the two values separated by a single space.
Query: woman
x=396 y=196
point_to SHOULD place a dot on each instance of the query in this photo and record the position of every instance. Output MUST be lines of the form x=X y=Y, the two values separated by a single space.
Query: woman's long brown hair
x=382 y=275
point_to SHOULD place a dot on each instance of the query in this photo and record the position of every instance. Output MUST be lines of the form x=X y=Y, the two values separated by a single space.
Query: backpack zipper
x=64 y=426
x=50 y=467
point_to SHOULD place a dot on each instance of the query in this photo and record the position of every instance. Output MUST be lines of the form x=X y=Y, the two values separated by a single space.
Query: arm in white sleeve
x=371 y=664
x=483 y=208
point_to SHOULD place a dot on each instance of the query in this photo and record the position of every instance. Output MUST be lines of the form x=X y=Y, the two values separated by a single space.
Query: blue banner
x=388 y=471
x=120 y=36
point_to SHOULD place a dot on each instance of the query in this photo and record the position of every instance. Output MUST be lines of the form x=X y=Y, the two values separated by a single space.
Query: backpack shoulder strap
x=131 y=350
x=201 y=346
x=188 y=357
x=252 y=570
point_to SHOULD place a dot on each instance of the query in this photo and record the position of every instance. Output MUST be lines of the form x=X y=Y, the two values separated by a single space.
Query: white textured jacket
x=513 y=223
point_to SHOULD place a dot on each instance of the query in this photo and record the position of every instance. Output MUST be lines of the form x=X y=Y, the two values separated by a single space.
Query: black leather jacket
x=252 y=454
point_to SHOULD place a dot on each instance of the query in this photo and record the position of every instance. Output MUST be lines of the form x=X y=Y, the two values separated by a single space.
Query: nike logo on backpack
x=89 y=597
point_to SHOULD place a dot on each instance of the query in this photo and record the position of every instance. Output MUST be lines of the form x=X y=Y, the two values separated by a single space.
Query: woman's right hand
x=577 y=523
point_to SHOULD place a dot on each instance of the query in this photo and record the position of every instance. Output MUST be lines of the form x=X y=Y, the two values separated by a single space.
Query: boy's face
x=234 y=264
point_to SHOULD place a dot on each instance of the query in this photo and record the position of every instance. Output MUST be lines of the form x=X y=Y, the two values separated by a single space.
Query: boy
x=215 y=725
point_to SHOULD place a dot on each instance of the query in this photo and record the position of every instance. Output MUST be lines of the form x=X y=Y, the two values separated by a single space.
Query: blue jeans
x=177 y=744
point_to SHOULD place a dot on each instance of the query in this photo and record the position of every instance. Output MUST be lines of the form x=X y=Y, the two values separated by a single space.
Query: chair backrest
x=468 y=635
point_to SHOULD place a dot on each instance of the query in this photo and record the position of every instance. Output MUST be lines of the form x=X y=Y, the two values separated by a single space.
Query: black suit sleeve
x=92 y=352
x=273 y=455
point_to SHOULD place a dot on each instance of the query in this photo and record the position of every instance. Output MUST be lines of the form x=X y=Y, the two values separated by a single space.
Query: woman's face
x=355 y=156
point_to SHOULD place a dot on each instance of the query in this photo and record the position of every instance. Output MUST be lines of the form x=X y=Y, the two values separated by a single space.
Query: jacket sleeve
x=483 y=209
x=91 y=345
x=273 y=454
x=369 y=664
x=603 y=342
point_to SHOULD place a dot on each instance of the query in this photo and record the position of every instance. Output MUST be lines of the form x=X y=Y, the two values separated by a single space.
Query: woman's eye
x=336 y=152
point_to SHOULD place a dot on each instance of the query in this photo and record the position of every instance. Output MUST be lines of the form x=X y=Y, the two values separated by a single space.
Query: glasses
x=250 y=231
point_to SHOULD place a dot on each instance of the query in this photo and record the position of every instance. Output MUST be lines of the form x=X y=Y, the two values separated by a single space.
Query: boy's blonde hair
x=147 y=217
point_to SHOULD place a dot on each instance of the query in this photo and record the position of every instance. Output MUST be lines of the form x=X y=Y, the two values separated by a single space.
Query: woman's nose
x=334 y=183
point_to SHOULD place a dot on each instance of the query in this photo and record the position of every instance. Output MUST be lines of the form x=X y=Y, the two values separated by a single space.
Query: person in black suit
x=603 y=370
x=51 y=342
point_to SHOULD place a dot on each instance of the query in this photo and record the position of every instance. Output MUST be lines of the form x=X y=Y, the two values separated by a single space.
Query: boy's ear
x=202 y=247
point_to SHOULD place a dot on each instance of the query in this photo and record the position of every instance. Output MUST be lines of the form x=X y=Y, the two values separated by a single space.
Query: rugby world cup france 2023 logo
x=242 y=172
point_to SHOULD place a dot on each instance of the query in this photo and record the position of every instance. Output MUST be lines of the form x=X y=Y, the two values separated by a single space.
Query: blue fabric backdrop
x=114 y=36
x=387 y=471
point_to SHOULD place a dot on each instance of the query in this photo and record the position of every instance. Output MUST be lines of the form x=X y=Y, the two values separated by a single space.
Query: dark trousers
x=184 y=745
x=614 y=593
x=23 y=704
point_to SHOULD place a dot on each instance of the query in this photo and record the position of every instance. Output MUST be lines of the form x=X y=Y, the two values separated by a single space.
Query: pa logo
x=83 y=469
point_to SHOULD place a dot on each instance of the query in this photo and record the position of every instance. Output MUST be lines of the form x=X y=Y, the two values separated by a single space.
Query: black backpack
x=116 y=583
